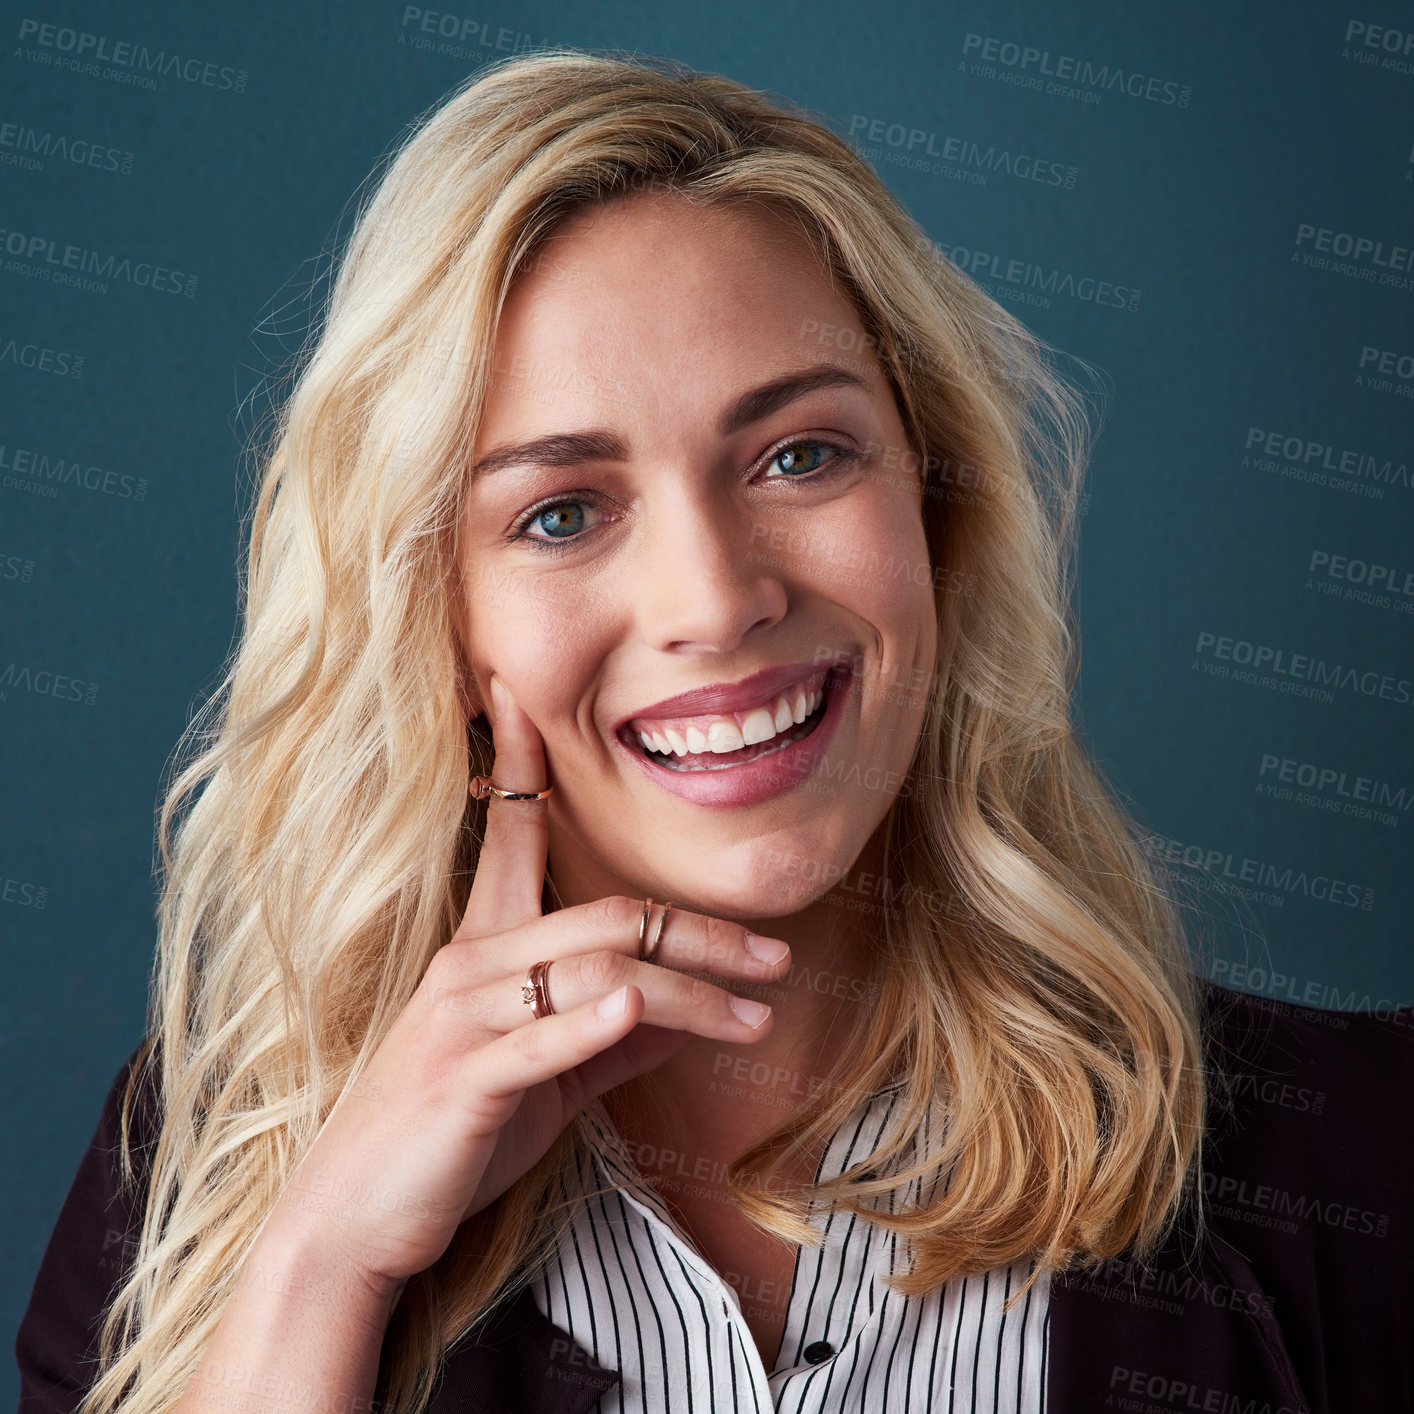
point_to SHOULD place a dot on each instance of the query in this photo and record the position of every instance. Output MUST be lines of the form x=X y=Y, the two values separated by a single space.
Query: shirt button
x=818 y=1350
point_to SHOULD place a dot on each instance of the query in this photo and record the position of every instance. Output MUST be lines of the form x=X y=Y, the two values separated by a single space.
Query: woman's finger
x=680 y=1000
x=553 y=1045
x=687 y=942
x=510 y=872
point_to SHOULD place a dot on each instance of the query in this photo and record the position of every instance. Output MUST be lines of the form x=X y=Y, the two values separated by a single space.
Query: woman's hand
x=468 y=1089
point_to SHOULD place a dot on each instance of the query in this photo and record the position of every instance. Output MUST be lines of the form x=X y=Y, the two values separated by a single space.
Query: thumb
x=510 y=869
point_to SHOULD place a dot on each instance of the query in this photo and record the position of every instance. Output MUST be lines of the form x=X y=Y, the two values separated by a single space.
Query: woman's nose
x=702 y=578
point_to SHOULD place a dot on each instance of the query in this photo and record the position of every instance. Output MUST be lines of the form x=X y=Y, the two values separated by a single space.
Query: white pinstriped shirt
x=629 y=1286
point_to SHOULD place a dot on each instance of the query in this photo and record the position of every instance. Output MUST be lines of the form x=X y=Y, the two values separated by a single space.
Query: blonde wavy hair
x=318 y=844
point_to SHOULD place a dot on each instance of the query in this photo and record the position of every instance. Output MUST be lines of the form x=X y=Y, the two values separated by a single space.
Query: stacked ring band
x=534 y=991
x=647 y=954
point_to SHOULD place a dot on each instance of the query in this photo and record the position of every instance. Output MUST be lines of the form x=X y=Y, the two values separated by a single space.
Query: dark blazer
x=1299 y=1297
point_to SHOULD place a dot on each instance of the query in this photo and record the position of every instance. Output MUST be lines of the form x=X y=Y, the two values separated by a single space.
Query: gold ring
x=479 y=787
x=534 y=993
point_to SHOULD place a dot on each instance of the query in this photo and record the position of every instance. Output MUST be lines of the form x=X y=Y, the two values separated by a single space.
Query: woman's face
x=691 y=478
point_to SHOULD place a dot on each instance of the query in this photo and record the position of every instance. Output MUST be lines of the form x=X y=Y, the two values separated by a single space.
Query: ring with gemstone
x=534 y=992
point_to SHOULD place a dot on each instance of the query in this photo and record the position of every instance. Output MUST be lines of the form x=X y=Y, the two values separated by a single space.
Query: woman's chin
x=756 y=881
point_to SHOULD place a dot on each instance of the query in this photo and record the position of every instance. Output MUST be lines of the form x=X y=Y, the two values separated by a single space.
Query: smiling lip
x=724 y=697
x=774 y=773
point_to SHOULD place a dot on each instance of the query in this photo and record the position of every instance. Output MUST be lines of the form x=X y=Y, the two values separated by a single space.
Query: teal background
x=239 y=183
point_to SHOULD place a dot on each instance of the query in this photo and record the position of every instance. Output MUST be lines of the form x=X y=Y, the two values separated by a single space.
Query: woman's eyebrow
x=554 y=449
x=770 y=397
x=560 y=449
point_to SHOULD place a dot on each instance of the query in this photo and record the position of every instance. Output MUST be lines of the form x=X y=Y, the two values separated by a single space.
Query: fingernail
x=767 y=949
x=499 y=699
x=613 y=1005
x=753 y=1013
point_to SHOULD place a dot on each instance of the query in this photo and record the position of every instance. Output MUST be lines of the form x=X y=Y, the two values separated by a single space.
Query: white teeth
x=724 y=734
x=758 y=725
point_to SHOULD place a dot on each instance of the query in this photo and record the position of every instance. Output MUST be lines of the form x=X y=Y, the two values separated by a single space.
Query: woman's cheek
x=890 y=586
x=515 y=611
x=876 y=561
x=541 y=640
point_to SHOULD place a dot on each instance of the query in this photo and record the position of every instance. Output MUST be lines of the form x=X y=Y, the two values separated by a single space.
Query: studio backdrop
x=1212 y=206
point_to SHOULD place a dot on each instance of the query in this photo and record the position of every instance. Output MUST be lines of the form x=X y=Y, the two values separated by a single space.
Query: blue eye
x=803 y=456
x=560 y=524
x=562 y=521
x=566 y=518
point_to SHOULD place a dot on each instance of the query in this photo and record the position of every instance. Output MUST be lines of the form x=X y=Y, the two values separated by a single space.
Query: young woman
x=653 y=477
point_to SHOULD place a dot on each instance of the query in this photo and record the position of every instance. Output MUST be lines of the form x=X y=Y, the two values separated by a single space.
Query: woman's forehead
x=653 y=299
x=632 y=257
